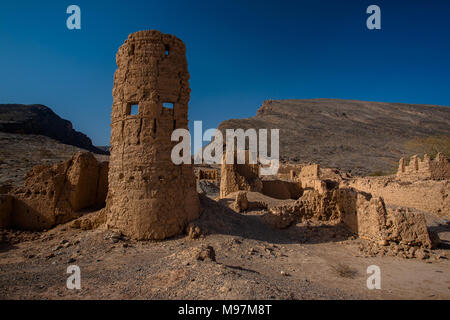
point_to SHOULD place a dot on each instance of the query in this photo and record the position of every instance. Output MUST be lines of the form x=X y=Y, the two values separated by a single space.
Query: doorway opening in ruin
x=166 y=50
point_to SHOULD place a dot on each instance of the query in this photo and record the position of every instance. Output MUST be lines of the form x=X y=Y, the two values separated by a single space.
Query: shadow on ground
x=5 y=247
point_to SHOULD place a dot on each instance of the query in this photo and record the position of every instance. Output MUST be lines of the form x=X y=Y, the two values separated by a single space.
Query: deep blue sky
x=240 y=53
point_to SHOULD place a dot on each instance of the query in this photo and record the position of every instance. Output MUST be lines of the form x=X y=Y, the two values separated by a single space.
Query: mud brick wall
x=149 y=196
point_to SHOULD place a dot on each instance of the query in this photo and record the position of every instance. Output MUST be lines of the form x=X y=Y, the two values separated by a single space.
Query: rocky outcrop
x=205 y=253
x=38 y=119
x=19 y=153
x=55 y=194
x=208 y=188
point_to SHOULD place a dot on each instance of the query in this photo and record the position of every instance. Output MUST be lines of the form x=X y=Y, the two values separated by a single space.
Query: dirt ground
x=252 y=261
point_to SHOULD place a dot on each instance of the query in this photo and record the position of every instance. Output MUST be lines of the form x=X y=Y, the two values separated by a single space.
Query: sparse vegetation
x=430 y=145
x=377 y=173
x=46 y=154
x=382 y=173
x=344 y=270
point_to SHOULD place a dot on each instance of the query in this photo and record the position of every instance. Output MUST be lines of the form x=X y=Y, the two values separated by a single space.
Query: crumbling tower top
x=152 y=73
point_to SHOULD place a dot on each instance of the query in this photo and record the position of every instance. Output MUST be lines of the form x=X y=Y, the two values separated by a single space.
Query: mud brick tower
x=149 y=196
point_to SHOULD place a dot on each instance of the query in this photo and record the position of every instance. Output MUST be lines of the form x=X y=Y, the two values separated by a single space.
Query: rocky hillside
x=19 y=153
x=41 y=120
x=364 y=137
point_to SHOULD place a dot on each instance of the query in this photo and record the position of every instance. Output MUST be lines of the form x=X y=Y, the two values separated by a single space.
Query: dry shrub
x=343 y=270
x=430 y=145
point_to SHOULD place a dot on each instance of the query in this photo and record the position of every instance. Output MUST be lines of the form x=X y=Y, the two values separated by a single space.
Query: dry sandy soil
x=253 y=261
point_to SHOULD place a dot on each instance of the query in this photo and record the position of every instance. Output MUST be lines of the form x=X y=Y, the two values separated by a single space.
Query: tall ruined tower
x=149 y=196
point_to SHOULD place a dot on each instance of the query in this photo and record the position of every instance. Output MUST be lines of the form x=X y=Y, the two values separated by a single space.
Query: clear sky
x=240 y=53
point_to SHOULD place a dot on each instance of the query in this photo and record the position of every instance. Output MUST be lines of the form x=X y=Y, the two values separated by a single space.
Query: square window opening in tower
x=132 y=109
x=168 y=105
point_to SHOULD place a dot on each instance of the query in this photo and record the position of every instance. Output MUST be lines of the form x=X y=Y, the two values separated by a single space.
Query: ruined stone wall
x=309 y=178
x=311 y=171
x=312 y=205
x=368 y=217
x=425 y=195
x=363 y=214
x=359 y=212
x=288 y=171
x=420 y=184
x=437 y=169
x=280 y=189
x=294 y=172
x=149 y=196
x=207 y=174
x=54 y=194
x=239 y=177
x=440 y=168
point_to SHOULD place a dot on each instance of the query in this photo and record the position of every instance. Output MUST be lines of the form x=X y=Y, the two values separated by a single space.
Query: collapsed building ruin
x=321 y=199
x=149 y=196
x=235 y=176
x=55 y=194
x=421 y=184
x=437 y=169
x=208 y=174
